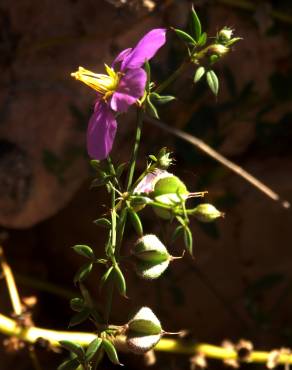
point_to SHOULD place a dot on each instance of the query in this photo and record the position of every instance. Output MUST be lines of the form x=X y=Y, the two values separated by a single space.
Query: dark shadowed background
x=240 y=283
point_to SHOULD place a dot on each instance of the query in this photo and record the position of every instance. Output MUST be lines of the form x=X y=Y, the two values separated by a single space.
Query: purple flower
x=117 y=90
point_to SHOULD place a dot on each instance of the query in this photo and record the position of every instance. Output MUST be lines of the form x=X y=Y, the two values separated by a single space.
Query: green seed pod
x=169 y=191
x=170 y=185
x=206 y=212
x=144 y=331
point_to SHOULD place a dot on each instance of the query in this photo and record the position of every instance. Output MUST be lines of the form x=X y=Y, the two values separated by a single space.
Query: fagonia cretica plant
x=127 y=84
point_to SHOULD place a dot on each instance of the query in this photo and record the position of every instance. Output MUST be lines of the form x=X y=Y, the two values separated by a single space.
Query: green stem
x=113 y=172
x=140 y=114
x=110 y=288
x=172 y=77
x=118 y=228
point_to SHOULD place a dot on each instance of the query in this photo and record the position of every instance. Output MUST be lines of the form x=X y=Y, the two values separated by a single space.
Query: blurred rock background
x=240 y=282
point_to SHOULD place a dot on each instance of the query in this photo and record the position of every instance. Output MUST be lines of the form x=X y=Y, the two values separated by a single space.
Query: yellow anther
x=102 y=83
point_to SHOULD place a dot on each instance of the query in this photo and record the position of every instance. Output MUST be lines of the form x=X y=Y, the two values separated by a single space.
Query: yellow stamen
x=102 y=83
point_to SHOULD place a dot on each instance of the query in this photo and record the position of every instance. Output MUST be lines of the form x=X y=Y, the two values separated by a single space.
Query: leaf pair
x=211 y=78
x=82 y=357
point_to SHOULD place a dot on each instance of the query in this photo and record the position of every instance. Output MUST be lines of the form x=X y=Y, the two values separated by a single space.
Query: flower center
x=103 y=84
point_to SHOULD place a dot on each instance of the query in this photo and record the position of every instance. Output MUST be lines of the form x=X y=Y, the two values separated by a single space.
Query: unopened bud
x=206 y=212
x=225 y=34
x=164 y=159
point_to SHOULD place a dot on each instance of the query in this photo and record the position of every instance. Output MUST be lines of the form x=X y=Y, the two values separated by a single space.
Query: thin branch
x=32 y=334
x=200 y=144
x=12 y=289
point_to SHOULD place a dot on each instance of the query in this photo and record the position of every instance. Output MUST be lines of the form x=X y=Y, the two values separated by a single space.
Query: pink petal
x=147 y=184
x=146 y=48
x=123 y=54
x=131 y=88
x=101 y=131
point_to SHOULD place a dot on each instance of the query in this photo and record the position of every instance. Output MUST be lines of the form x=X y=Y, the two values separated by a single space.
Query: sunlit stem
x=12 y=289
x=32 y=334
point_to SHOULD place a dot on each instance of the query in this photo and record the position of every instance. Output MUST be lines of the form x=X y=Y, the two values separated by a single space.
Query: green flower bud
x=207 y=212
x=144 y=331
x=163 y=159
x=151 y=257
x=225 y=34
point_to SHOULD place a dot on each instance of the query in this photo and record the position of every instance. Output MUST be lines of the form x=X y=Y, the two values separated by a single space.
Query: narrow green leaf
x=188 y=240
x=86 y=296
x=77 y=304
x=184 y=36
x=136 y=222
x=69 y=365
x=96 y=316
x=151 y=109
x=103 y=222
x=84 y=250
x=120 y=169
x=153 y=158
x=199 y=73
x=73 y=347
x=120 y=281
x=110 y=351
x=79 y=317
x=83 y=272
x=233 y=41
x=105 y=277
x=177 y=232
x=161 y=99
x=213 y=81
x=196 y=27
x=203 y=39
x=93 y=348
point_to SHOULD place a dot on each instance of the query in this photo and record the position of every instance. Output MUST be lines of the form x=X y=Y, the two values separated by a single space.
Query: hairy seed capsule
x=151 y=257
x=144 y=331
